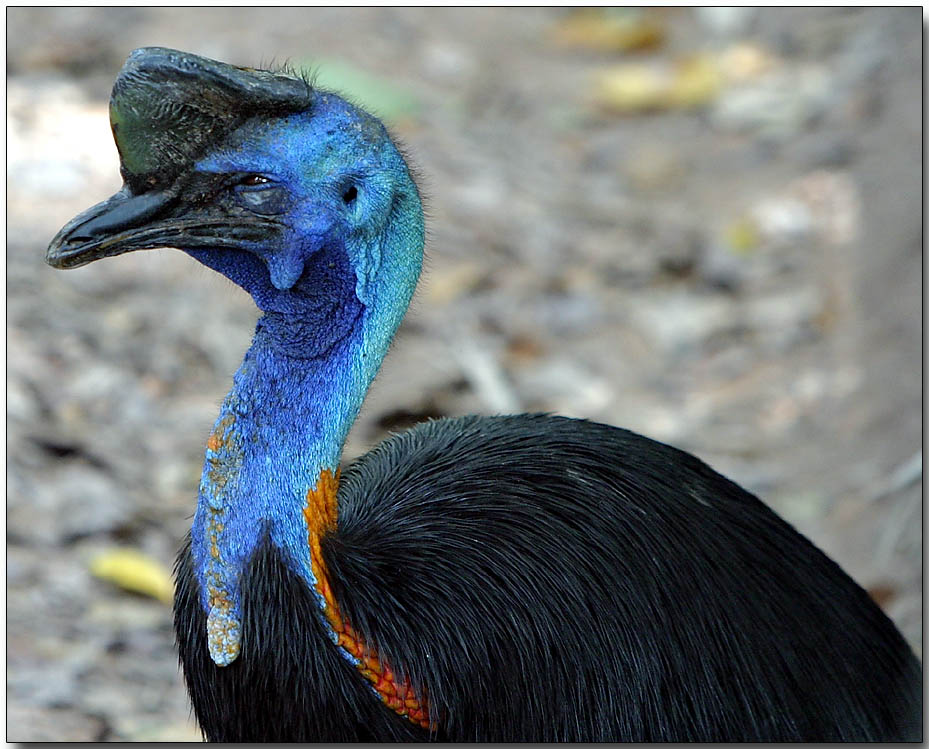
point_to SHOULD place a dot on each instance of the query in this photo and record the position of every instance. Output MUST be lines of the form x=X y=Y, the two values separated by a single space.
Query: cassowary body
x=509 y=578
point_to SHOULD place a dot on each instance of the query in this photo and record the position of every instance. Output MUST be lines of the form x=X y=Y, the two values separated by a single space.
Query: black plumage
x=544 y=579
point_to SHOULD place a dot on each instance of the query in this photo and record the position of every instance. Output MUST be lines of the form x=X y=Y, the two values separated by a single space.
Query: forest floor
x=704 y=226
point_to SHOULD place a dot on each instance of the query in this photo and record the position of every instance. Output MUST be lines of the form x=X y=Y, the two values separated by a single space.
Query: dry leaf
x=609 y=30
x=695 y=82
x=136 y=572
x=635 y=88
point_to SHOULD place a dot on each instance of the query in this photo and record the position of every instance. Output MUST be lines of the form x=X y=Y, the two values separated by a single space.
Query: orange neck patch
x=321 y=514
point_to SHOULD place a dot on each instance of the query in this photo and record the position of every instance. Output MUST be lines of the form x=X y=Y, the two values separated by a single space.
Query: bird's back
x=540 y=578
x=547 y=578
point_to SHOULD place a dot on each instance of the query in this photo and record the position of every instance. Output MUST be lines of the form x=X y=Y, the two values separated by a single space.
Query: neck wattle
x=272 y=460
x=277 y=440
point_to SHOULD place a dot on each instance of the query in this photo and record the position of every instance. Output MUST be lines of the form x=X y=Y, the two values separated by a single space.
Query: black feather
x=289 y=683
x=541 y=578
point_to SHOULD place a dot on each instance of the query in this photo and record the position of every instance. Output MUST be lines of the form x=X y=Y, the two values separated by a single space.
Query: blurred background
x=703 y=225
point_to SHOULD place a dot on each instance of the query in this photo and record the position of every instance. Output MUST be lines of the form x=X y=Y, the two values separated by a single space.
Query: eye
x=349 y=194
x=261 y=195
x=253 y=180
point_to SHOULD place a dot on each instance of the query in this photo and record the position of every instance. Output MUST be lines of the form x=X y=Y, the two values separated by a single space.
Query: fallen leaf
x=695 y=81
x=609 y=30
x=742 y=236
x=134 y=571
x=744 y=61
x=633 y=88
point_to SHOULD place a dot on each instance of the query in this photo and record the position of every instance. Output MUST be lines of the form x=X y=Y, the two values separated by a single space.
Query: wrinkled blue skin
x=333 y=288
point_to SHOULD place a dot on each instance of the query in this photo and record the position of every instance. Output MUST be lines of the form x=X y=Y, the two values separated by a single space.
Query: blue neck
x=292 y=403
x=258 y=469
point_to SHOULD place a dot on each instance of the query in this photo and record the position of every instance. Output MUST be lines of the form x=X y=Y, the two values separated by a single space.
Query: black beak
x=167 y=109
x=110 y=228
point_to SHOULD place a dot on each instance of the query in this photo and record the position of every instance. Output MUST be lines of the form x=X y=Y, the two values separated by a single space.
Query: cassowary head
x=293 y=193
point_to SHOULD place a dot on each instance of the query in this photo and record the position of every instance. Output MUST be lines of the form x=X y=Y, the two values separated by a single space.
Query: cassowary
x=494 y=579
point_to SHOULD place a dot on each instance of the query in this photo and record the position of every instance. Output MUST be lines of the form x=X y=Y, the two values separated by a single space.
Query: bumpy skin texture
x=542 y=578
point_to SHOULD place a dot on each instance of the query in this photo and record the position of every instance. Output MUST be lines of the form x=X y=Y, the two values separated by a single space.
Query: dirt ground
x=701 y=225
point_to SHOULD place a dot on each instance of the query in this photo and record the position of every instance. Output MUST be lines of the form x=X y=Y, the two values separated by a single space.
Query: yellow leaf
x=696 y=81
x=632 y=88
x=134 y=571
x=742 y=236
x=744 y=61
x=609 y=30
